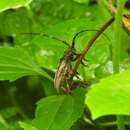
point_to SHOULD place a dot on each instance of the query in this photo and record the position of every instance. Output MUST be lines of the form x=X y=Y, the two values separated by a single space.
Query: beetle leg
x=84 y=64
x=77 y=56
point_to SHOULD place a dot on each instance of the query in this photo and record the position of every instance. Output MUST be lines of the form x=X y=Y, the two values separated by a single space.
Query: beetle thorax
x=69 y=54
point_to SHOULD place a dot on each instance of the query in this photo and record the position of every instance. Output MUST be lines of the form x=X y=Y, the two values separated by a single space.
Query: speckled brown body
x=64 y=69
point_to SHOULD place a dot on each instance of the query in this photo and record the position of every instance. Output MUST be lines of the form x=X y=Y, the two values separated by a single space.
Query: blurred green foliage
x=62 y=19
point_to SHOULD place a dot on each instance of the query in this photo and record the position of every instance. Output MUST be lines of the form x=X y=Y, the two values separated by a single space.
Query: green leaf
x=2 y=127
x=111 y=96
x=81 y=1
x=6 y=4
x=48 y=87
x=14 y=22
x=3 y=124
x=66 y=30
x=26 y=126
x=59 y=112
x=53 y=14
x=8 y=112
x=17 y=62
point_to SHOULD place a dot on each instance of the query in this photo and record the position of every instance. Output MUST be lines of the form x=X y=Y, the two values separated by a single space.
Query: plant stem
x=90 y=43
x=117 y=38
x=120 y=122
x=116 y=50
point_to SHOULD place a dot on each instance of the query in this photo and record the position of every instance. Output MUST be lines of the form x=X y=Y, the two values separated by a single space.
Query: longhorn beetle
x=64 y=70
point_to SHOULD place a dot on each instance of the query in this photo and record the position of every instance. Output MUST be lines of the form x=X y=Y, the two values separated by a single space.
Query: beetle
x=64 y=69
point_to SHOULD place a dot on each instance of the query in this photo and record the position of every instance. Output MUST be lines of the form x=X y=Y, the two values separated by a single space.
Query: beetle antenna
x=46 y=35
x=77 y=34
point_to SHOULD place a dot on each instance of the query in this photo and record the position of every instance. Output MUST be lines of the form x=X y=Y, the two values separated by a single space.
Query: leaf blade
x=110 y=96
x=4 y=5
x=17 y=62
x=55 y=110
